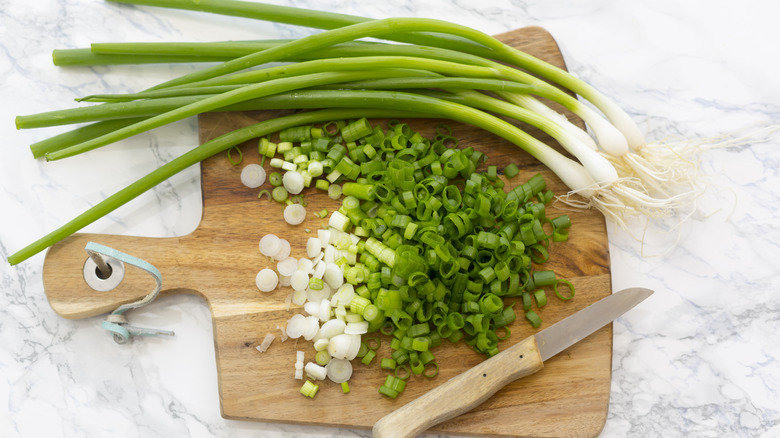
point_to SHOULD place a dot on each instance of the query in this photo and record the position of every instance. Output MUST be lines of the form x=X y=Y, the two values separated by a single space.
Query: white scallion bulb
x=270 y=244
x=253 y=176
x=293 y=182
x=294 y=214
x=267 y=280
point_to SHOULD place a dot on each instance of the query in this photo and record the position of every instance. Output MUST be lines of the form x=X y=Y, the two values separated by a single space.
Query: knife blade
x=469 y=389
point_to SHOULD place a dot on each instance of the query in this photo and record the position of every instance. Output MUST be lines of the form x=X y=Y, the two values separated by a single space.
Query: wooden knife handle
x=461 y=393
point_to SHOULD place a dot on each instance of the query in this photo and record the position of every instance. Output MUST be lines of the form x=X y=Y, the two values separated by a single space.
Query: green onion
x=533 y=318
x=182 y=162
x=370 y=354
x=309 y=389
x=493 y=48
x=279 y=194
x=561 y=296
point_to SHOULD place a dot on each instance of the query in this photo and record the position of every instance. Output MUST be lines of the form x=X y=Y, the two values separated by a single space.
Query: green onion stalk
x=448 y=36
x=662 y=169
x=196 y=155
x=464 y=57
x=375 y=103
x=376 y=56
x=277 y=78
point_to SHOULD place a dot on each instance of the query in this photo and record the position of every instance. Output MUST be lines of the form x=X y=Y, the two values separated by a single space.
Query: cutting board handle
x=72 y=297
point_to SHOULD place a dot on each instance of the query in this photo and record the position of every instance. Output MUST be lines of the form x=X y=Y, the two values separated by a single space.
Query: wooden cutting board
x=220 y=259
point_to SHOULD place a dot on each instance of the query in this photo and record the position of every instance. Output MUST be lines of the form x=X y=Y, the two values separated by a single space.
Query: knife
x=469 y=389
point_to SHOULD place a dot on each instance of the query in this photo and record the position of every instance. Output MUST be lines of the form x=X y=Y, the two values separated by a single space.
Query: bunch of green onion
x=424 y=248
x=441 y=70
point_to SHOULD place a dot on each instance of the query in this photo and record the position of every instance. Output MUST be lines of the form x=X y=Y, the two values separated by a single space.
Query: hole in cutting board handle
x=104 y=276
x=97 y=280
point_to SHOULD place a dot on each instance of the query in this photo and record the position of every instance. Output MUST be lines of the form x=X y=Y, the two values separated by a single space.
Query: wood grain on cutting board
x=220 y=259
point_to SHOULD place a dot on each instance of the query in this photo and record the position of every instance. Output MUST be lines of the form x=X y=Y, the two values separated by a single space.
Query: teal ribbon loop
x=116 y=322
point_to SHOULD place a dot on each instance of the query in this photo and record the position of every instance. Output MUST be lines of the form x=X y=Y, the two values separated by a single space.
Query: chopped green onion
x=431 y=370
x=279 y=194
x=544 y=278
x=533 y=318
x=334 y=191
x=541 y=297
x=511 y=170
x=230 y=156
x=373 y=343
x=384 y=390
x=561 y=296
x=309 y=389
x=368 y=357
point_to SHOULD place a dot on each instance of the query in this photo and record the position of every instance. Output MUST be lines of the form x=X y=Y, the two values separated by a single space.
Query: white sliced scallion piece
x=313 y=247
x=284 y=251
x=332 y=328
x=305 y=265
x=344 y=346
x=338 y=221
x=329 y=254
x=270 y=244
x=299 y=297
x=253 y=175
x=293 y=182
x=319 y=269
x=269 y=337
x=356 y=328
x=287 y=267
x=284 y=280
x=294 y=214
x=314 y=168
x=299 y=365
x=324 y=235
x=312 y=308
x=340 y=312
x=354 y=347
x=333 y=276
x=311 y=327
x=315 y=296
x=266 y=280
x=315 y=372
x=324 y=310
x=339 y=370
x=277 y=163
x=353 y=317
x=343 y=295
x=283 y=336
x=321 y=344
x=296 y=326
x=299 y=280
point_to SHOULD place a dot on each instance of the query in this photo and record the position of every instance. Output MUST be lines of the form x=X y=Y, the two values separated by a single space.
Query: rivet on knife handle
x=461 y=393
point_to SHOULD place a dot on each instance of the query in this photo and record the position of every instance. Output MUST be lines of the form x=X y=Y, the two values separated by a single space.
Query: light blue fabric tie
x=115 y=322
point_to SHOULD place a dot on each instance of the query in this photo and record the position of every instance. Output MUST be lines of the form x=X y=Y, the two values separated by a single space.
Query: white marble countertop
x=698 y=359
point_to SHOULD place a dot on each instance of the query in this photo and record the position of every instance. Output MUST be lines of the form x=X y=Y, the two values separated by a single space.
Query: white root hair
x=661 y=180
